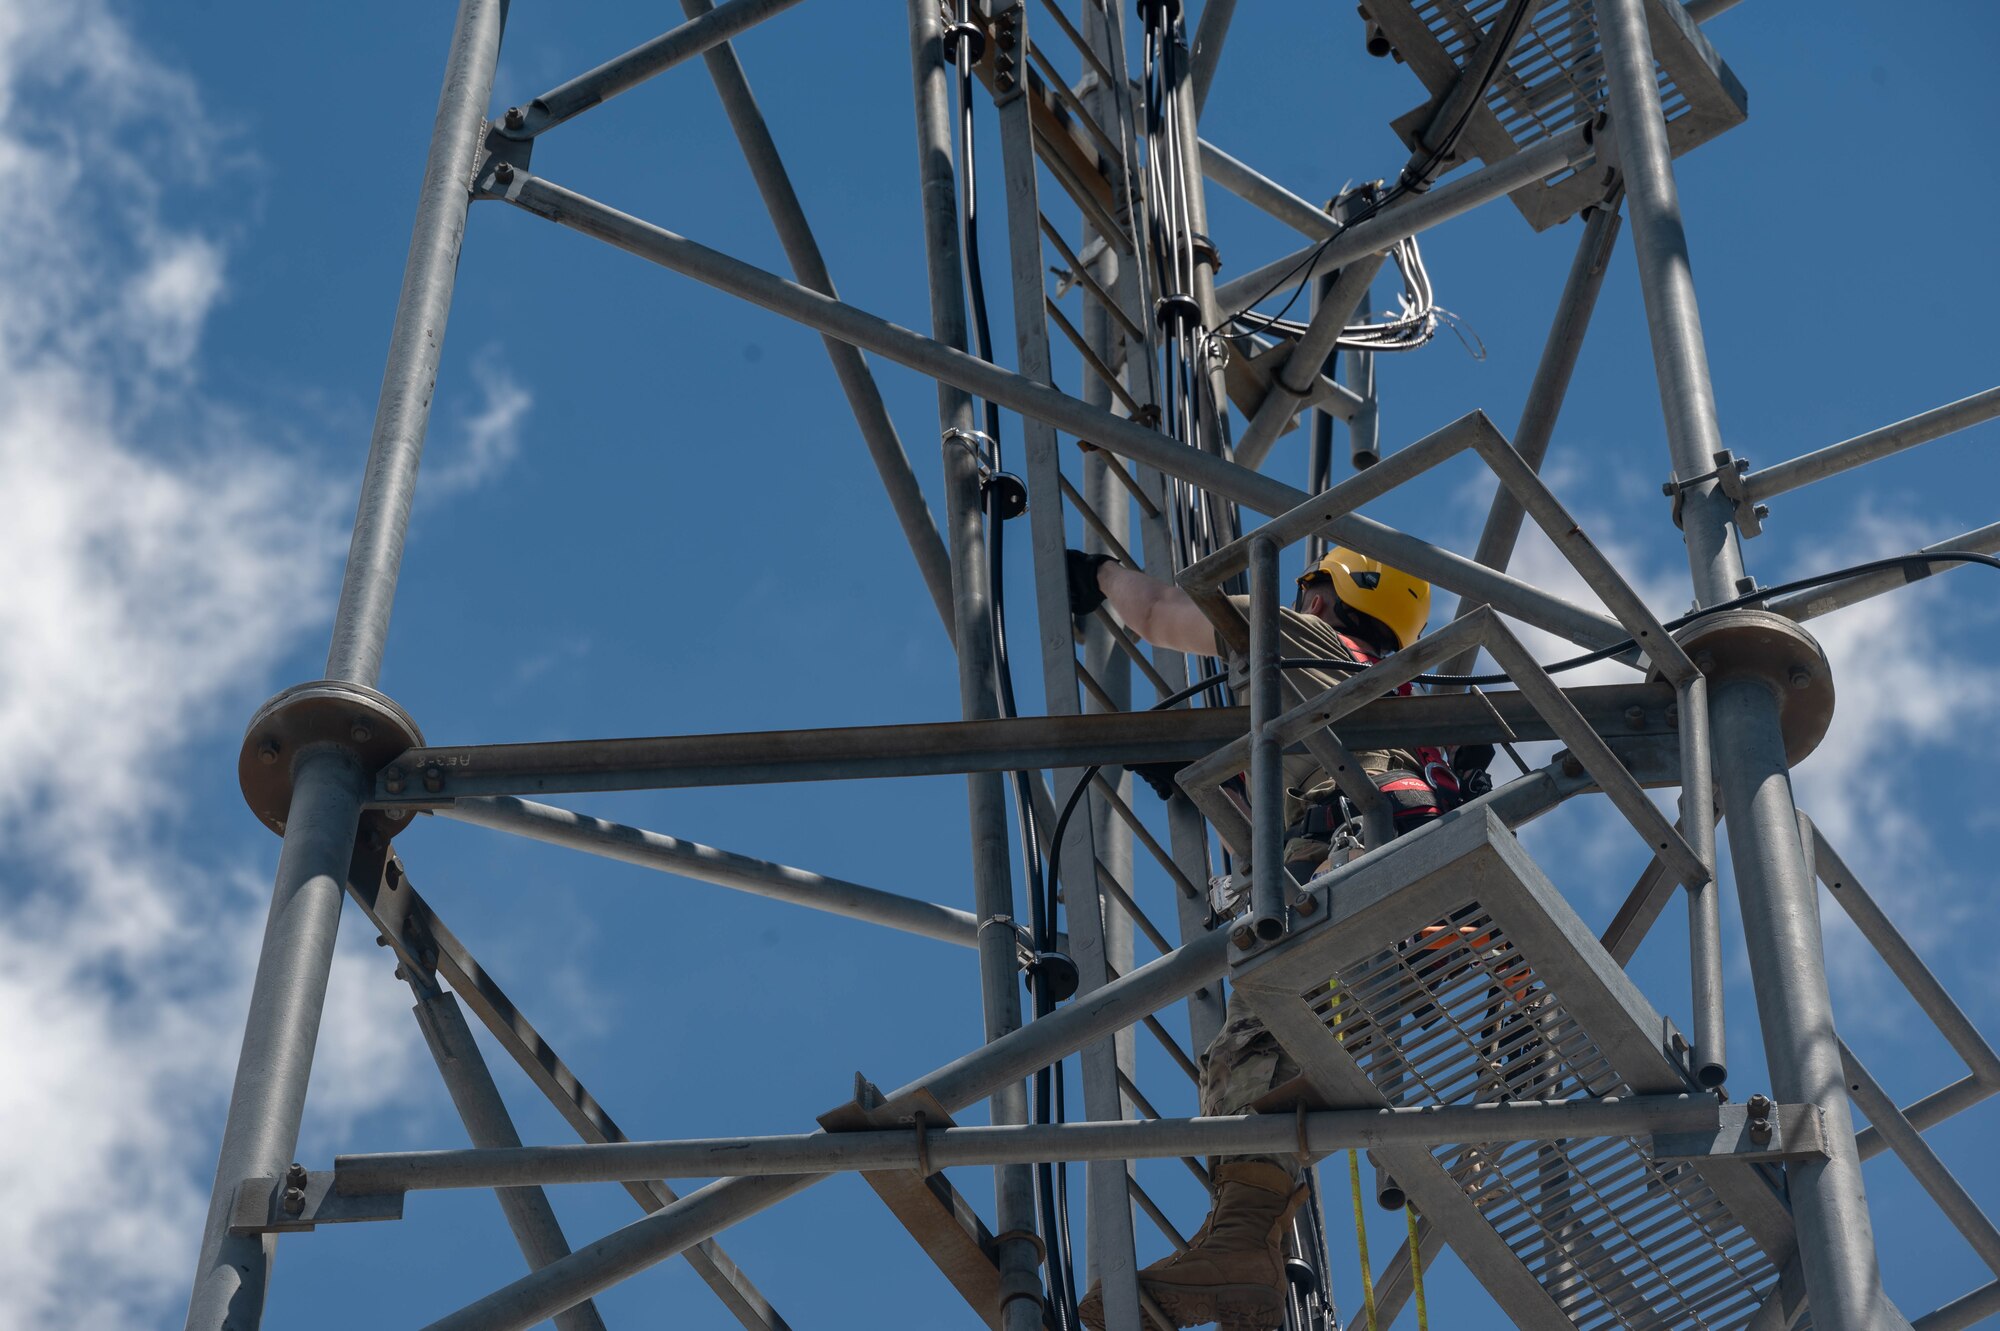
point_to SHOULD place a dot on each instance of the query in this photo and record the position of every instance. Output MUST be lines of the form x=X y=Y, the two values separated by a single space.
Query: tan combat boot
x=1233 y=1271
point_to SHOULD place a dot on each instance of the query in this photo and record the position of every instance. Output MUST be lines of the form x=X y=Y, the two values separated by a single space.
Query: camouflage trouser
x=1240 y=1066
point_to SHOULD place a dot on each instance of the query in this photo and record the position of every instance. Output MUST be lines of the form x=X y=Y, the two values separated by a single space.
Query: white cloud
x=158 y=561
x=1913 y=699
x=491 y=435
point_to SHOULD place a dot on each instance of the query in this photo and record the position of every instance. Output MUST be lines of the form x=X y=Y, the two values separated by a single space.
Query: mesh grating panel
x=1456 y=1014
x=1553 y=81
x=1554 y=78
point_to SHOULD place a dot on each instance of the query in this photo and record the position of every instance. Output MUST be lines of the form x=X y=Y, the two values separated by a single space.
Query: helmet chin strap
x=1362 y=626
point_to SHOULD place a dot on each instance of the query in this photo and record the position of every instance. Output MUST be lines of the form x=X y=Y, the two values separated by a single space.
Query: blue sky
x=646 y=511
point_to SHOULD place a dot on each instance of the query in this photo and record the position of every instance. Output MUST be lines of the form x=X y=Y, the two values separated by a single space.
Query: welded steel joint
x=1760 y=645
x=324 y=712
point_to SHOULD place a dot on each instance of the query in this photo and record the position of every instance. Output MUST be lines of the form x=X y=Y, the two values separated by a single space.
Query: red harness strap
x=1437 y=779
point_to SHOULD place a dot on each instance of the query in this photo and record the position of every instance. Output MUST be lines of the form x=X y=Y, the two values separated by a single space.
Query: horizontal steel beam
x=1015 y=392
x=1817 y=601
x=436 y=776
x=1863 y=448
x=689 y=859
x=1415 y=213
x=1694 y=1125
x=970 y=1077
x=426 y=947
x=624 y=72
x=1254 y=187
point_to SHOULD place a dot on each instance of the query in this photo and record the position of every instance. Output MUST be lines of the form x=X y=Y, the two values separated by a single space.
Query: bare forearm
x=1159 y=612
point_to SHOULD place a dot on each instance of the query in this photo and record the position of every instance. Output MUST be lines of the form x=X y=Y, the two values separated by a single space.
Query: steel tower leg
x=1778 y=896
x=268 y=1098
x=992 y=882
x=1100 y=938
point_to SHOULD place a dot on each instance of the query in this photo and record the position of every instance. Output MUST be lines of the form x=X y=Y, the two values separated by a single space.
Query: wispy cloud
x=488 y=439
x=158 y=561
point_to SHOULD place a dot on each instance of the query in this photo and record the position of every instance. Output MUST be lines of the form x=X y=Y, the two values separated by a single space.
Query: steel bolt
x=433 y=778
x=1571 y=764
x=1760 y=1108
x=295 y=1201
x=1761 y=510
x=1674 y=714
x=514 y=117
x=1799 y=677
x=1635 y=717
x=295 y=1175
x=504 y=172
x=267 y=752
x=1745 y=585
x=361 y=732
x=1243 y=936
x=1305 y=903
x=392 y=780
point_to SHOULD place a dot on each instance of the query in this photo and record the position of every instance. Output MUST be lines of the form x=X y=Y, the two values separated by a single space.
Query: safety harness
x=1414 y=797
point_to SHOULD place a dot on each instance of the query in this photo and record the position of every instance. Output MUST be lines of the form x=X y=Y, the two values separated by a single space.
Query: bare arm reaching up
x=1159 y=612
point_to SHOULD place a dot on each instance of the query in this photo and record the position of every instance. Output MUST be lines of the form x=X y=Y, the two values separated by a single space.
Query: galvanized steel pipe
x=655 y=850
x=403 y=411
x=1325 y=1131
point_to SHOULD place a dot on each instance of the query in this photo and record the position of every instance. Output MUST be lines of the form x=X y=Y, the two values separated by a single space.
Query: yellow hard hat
x=1370 y=587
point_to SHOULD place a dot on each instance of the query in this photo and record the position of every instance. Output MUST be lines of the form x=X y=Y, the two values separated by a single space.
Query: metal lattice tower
x=1449 y=1010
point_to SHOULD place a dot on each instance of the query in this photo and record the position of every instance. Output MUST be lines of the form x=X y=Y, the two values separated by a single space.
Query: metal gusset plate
x=1552 y=81
x=1464 y=979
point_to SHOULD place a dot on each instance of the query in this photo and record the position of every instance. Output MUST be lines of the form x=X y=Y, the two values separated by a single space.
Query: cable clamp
x=978 y=444
x=956 y=32
x=1727 y=474
x=1177 y=313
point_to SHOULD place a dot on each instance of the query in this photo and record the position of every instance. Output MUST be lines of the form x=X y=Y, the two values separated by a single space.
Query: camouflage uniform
x=1245 y=1062
x=1241 y=1065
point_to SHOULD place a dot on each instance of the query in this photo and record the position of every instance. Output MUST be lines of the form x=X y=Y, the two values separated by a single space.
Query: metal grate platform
x=1553 y=80
x=1458 y=975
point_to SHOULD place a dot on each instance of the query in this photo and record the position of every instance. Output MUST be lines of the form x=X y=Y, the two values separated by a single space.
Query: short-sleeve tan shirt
x=1303 y=635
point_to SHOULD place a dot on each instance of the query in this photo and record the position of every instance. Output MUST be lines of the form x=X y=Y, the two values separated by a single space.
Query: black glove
x=1084 y=593
x=1469 y=763
x=1160 y=776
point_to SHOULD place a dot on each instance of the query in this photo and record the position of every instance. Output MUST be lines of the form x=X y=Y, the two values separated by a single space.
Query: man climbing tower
x=1349 y=608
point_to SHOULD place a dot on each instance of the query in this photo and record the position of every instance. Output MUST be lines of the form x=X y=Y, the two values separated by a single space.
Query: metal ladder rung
x=1087 y=279
x=1146 y=1110
x=1145 y=837
x=1090 y=358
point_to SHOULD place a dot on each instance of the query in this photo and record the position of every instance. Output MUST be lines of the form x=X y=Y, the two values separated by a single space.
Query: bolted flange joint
x=366 y=723
x=1778 y=653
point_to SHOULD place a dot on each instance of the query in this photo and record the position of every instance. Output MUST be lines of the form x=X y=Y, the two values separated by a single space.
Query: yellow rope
x=1417 y=1272
x=1361 y=1240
